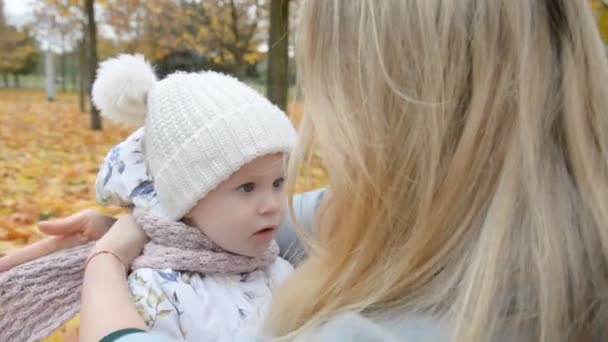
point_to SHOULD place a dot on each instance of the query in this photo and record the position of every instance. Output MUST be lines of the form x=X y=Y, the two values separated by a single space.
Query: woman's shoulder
x=394 y=327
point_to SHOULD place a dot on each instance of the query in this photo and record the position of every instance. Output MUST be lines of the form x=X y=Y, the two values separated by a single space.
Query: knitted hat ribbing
x=200 y=128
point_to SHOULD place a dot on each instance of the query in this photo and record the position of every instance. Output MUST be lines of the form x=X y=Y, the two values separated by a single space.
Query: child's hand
x=125 y=240
x=82 y=227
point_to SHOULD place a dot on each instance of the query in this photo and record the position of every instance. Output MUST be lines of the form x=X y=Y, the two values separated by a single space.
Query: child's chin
x=257 y=251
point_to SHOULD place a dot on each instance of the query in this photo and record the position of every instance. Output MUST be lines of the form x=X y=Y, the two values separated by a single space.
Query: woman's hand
x=106 y=304
x=80 y=228
x=125 y=240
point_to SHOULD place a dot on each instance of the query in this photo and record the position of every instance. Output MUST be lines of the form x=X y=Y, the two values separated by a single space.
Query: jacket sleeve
x=304 y=205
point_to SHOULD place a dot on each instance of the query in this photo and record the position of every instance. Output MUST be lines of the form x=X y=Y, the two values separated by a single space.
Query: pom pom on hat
x=121 y=88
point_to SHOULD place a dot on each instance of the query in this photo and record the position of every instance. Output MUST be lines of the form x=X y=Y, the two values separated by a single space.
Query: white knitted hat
x=200 y=127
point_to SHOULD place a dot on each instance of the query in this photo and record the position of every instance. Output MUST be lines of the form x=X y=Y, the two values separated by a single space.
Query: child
x=204 y=176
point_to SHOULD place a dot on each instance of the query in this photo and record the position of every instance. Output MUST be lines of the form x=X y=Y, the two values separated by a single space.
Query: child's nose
x=270 y=204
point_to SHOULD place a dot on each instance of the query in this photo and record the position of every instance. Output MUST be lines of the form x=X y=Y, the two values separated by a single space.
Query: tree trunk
x=92 y=63
x=73 y=76
x=276 y=74
x=240 y=67
x=2 y=20
x=63 y=72
x=5 y=79
x=82 y=72
x=16 y=79
x=50 y=75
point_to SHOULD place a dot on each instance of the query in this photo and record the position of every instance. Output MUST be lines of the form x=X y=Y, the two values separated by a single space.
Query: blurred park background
x=52 y=140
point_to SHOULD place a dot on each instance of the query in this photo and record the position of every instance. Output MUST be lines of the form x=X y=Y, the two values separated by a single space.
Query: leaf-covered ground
x=48 y=163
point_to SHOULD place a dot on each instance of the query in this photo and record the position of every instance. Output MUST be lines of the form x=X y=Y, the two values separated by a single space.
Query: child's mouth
x=265 y=231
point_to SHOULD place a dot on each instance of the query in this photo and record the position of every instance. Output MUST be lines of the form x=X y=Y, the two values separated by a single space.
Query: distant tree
x=18 y=54
x=92 y=59
x=278 y=58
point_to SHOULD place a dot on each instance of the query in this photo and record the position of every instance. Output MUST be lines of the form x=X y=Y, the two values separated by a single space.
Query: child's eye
x=247 y=187
x=279 y=182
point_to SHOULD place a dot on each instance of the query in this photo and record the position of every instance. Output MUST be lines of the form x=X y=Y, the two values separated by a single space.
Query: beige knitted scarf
x=39 y=296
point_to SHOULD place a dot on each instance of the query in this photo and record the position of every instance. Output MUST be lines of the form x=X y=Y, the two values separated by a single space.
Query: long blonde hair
x=466 y=144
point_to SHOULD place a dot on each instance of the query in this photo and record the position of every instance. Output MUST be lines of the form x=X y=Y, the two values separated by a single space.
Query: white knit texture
x=201 y=128
x=121 y=87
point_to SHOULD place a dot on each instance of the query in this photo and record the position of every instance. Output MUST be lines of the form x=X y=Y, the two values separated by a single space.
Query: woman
x=466 y=146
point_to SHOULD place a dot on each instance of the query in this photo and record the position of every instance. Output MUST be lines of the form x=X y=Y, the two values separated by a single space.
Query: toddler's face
x=242 y=214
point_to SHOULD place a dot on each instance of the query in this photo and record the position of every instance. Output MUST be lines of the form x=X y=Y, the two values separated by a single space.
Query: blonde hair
x=466 y=144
